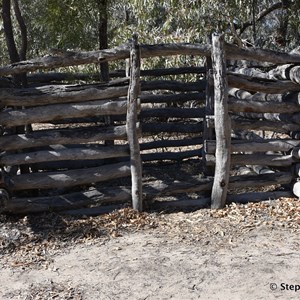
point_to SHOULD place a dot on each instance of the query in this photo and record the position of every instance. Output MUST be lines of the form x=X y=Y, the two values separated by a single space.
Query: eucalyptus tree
x=92 y=24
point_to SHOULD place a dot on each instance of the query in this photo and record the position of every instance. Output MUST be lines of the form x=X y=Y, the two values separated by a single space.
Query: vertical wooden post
x=208 y=133
x=131 y=126
x=222 y=124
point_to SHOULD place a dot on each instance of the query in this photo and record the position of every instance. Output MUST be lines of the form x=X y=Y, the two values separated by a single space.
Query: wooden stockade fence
x=54 y=154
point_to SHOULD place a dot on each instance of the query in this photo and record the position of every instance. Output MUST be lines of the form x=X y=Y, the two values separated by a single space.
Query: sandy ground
x=184 y=256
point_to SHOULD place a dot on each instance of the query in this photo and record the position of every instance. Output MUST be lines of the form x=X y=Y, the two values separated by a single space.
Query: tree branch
x=282 y=4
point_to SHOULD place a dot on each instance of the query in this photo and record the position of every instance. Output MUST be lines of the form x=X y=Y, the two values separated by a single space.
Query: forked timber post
x=222 y=124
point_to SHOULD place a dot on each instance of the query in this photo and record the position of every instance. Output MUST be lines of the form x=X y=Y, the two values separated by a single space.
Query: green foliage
x=73 y=24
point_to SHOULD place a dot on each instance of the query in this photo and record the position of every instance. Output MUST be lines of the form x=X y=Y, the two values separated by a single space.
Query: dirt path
x=178 y=259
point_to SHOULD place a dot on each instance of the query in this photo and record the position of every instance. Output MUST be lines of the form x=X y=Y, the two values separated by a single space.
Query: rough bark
x=49 y=113
x=262 y=180
x=131 y=126
x=275 y=160
x=262 y=85
x=281 y=127
x=70 y=178
x=54 y=94
x=261 y=55
x=222 y=124
x=256 y=146
x=93 y=196
x=236 y=105
x=71 y=58
x=82 y=152
x=63 y=136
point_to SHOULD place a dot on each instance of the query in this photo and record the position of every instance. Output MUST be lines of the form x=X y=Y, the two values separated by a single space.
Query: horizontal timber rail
x=42 y=77
x=256 y=146
x=39 y=114
x=70 y=178
x=257 y=159
x=81 y=152
x=58 y=94
x=62 y=136
x=71 y=58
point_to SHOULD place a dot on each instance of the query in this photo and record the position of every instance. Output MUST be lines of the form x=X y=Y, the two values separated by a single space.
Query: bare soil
x=241 y=252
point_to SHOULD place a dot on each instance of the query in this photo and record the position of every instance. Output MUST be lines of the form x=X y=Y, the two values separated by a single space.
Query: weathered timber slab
x=49 y=113
x=282 y=127
x=293 y=97
x=255 y=146
x=262 y=55
x=54 y=94
x=239 y=94
x=258 y=96
x=253 y=72
x=261 y=180
x=236 y=105
x=62 y=136
x=68 y=58
x=70 y=178
x=73 y=164
x=93 y=196
x=71 y=58
x=262 y=85
x=82 y=152
x=43 y=77
x=286 y=72
x=274 y=160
